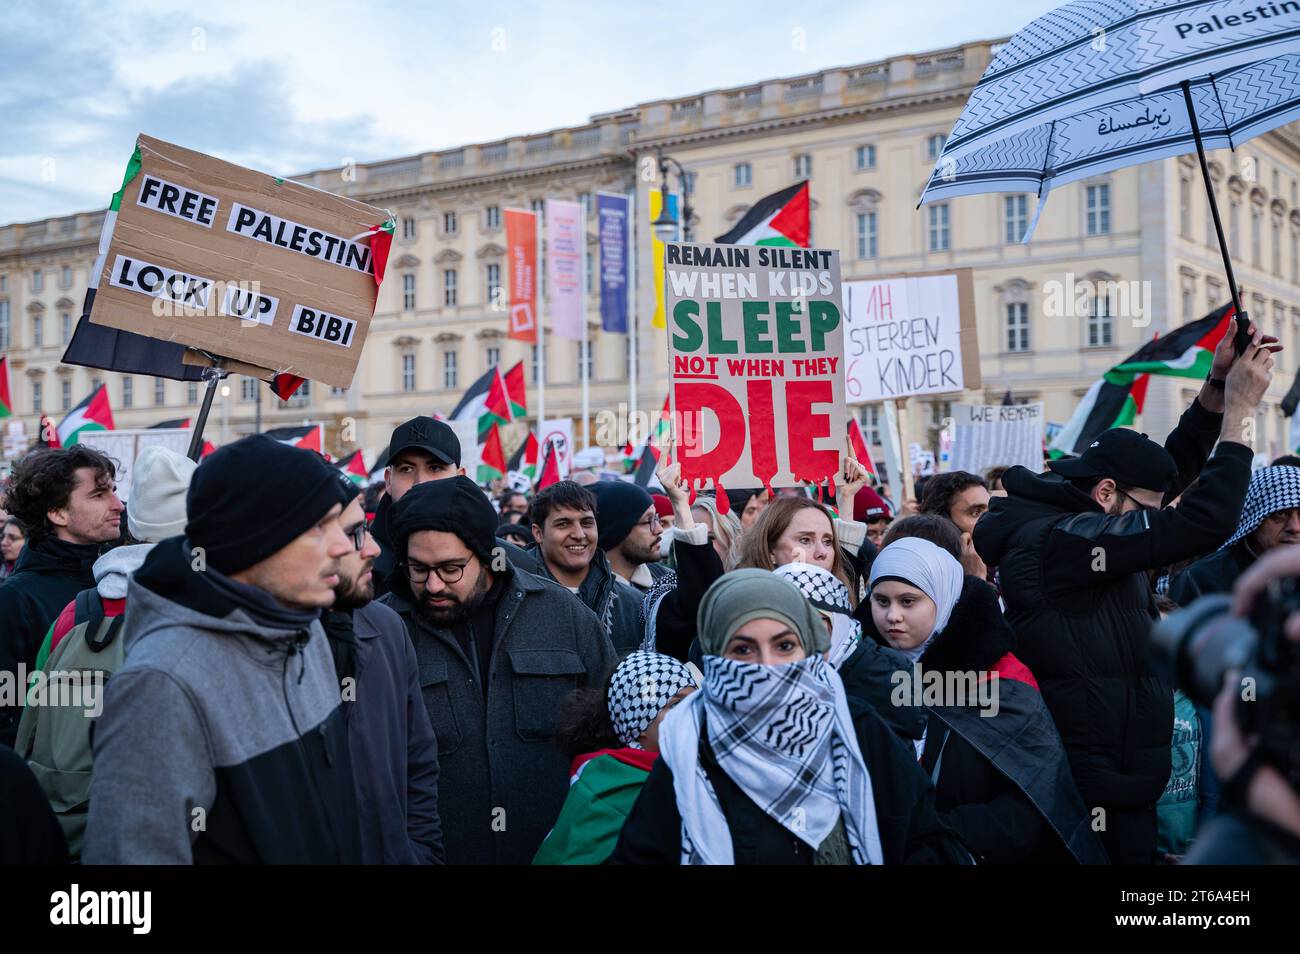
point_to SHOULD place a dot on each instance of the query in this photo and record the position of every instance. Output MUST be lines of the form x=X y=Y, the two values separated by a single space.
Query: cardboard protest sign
x=200 y=360
x=997 y=435
x=241 y=264
x=910 y=334
x=125 y=446
x=756 y=339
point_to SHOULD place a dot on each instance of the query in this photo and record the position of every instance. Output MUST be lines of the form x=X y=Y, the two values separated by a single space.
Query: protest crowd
x=306 y=671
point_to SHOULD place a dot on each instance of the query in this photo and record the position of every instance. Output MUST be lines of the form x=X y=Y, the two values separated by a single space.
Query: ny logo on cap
x=418 y=432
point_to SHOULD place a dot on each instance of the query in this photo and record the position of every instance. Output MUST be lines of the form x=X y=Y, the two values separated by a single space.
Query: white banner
x=566 y=247
x=560 y=431
x=125 y=446
x=997 y=435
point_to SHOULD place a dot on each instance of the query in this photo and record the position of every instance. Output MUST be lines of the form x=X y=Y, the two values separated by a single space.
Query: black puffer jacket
x=1216 y=573
x=1074 y=582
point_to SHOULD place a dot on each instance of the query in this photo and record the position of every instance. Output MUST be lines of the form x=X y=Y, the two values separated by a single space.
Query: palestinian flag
x=778 y=219
x=485 y=401
x=858 y=441
x=1116 y=399
x=48 y=434
x=647 y=460
x=309 y=437
x=285 y=384
x=208 y=446
x=550 y=468
x=354 y=466
x=92 y=414
x=524 y=460
x=6 y=403
x=517 y=391
x=492 y=461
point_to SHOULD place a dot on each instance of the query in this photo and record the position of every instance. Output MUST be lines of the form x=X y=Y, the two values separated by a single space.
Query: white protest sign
x=123 y=447
x=997 y=435
x=560 y=432
x=911 y=334
x=471 y=451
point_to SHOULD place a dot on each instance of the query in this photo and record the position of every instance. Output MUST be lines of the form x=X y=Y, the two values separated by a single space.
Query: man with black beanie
x=394 y=752
x=628 y=530
x=222 y=738
x=499 y=650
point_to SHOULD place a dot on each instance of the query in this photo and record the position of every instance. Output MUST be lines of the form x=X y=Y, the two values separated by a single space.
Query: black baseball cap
x=429 y=435
x=1126 y=457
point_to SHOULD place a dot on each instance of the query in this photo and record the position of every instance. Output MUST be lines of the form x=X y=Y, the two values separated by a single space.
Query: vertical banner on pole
x=565 y=248
x=612 y=227
x=521 y=254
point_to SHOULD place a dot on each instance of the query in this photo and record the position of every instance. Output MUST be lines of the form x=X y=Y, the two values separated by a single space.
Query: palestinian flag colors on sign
x=92 y=414
x=309 y=437
x=6 y=404
x=1116 y=399
x=778 y=219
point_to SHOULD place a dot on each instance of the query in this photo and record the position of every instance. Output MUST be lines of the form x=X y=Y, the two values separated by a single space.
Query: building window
x=1101 y=326
x=5 y=326
x=871 y=423
x=408 y=228
x=449 y=287
x=493 y=356
x=1276 y=246
x=65 y=395
x=4 y=283
x=449 y=370
x=408 y=372
x=536 y=364
x=408 y=292
x=492 y=217
x=247 y=389
x=803 y=166
x=38 y=332
x=539 y=209
x=934 y=146
x=336 y=391
x=1098 y=200
x=191 y=392
x=493 y=283
x=301 y=397
x=449 y=223
x=742 y=175
x=159 y=392
x=36 y=397
x=65 y=277
x=939 y=234
x=866 y=235
x=1017 y=326
x=584 y=351
x=1234 y=222
x=1185 y=206
x=1015 y=209
x=38 y=280
x=128 y=391
x=1256 y=236
x=866 y=157
x=65 y=322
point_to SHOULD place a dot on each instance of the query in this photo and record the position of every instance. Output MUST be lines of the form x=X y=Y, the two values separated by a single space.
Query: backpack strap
x=90 y=611
x=102 y=636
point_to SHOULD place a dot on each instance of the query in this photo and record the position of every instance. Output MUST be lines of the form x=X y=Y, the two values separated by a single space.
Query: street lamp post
x=665 y=227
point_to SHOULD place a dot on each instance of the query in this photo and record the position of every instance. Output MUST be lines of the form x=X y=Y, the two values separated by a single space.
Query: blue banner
x=612 y=226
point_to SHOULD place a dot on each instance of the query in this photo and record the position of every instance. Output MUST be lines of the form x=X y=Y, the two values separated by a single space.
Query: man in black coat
x=67 y=499
x=1270 y=519
x=1073 y=549
x=394 y=752
x=498 y=651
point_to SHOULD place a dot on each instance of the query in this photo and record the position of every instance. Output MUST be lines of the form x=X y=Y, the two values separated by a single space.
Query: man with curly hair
x=67 y=499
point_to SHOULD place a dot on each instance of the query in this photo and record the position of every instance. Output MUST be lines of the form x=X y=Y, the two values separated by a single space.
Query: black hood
x=977 y=634
x=1029 y=497
x=52 y=555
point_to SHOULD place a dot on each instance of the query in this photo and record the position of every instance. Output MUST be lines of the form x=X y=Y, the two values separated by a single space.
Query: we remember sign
x=910 y=334
x=756 y=348
x=239 y=264
x=997 y=435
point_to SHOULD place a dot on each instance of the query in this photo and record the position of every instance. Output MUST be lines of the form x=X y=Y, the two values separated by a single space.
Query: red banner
x=521 y=257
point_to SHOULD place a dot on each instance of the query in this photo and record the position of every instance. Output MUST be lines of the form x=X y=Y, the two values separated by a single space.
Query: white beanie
x=160 y=481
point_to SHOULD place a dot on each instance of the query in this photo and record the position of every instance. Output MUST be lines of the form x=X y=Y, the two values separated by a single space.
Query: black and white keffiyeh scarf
x=650 y=609
x=641 y=686
x=829 y=596
x=1271 y=489
x=784 y=735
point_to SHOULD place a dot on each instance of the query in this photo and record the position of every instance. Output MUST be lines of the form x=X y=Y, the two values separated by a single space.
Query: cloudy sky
x=289 y=87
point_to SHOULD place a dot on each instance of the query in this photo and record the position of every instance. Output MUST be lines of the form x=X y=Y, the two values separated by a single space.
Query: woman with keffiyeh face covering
x=990 y=746
x=768 y=763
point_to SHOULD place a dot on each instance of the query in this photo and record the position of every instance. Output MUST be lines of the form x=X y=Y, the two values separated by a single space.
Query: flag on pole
x=48 y=435
x=517 y=391
x=524 y=460
x=93 y=414
x=309 y=437
x=6 y=404
x=648 y=459
x=492 y=461
x=1116 y=399
x=550 y=468
x=858 y=441
x=208 y=446
x=354 y=466
x=781 y=218
x=485 y=402
x=284 y=385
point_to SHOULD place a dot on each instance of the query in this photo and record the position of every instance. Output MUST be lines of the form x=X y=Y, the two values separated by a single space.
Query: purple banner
x=612 y=226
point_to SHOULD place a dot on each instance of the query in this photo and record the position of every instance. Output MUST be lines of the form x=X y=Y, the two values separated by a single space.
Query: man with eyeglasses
x=629 y=531
x=1073 y=550
x=499 y=650
x=394 y=752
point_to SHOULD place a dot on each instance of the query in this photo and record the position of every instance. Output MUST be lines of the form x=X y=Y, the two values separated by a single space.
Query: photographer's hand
x=1269 y=796
x=1280 y=562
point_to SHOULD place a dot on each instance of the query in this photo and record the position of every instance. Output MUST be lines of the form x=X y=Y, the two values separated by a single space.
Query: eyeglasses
x=358 y=534
x=447 y=572
x=1140 y=504
x=651 y=522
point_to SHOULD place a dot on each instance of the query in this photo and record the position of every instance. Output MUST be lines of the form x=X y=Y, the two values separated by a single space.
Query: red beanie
x=663 y=506
x=869 y=505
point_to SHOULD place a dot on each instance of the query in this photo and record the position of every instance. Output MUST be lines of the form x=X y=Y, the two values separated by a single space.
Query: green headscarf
x=744 y=595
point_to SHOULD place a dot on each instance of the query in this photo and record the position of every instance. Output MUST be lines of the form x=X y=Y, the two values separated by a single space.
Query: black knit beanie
x=452 y=505
x=251 y=499
x=619 y=505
